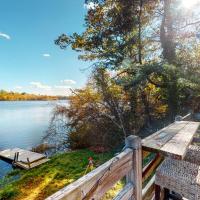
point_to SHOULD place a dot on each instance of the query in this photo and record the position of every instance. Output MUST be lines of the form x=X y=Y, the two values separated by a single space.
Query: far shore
x=23 y=96
x=35 y=99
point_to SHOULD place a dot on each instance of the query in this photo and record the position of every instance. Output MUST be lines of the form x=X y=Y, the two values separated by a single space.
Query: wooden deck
x=26 y=159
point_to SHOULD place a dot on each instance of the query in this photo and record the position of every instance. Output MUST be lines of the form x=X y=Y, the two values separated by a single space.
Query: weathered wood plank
x=151 y=168
x=32 y=165
x=96 y=183
x=23 y=155
x=177 y=146
x=126 y=193
x=135 y=175
x=148 y=191
x=161 y=137
x=187 y=117
x=172 y=140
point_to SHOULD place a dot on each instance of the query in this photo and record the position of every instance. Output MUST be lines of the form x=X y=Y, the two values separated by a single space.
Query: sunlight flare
x=189 y=3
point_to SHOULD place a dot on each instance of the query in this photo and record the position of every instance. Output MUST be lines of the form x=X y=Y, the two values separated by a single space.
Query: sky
x=29 y=59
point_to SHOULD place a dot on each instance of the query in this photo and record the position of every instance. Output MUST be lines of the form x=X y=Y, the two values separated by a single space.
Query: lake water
x=22 y=125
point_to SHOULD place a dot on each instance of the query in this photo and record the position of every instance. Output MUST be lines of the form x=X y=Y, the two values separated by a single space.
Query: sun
x=189 y=3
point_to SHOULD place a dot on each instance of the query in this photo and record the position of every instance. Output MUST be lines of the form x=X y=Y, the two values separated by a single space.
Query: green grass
x=43 y=181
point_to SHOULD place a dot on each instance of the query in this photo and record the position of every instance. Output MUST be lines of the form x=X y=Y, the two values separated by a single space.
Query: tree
x=113 y=32
x=148 y=45
x=101 y=113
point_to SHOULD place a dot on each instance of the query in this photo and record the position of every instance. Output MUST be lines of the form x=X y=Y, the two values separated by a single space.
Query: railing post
x=135 y=175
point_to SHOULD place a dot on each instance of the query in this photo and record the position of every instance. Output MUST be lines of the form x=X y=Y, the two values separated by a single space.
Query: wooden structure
x=23 y=158
x=171 y=141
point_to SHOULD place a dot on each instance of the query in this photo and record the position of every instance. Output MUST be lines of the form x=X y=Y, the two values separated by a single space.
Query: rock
x=42 y=148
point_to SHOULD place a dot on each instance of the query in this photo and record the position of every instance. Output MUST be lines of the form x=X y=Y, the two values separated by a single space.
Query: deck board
x=23 y=155
x=161 y=137
x=179 y=143
x=32 y=165
x=172 y=140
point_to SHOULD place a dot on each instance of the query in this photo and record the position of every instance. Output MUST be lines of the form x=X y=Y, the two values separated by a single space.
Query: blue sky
x=29 y=59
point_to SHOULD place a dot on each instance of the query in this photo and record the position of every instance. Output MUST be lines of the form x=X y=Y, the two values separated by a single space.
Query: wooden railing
x=136 y=165
x=148 y=177
x=187 y=117
x=127 y=164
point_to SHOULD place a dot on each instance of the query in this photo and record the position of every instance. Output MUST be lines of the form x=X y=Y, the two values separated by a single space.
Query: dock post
x=135 y=175
x=29 y=165
x=17 y=156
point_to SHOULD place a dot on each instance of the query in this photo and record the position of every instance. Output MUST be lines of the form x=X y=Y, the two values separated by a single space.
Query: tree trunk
x=167 y=34
x=140 y=33
x=167 y=38
x=146 y=108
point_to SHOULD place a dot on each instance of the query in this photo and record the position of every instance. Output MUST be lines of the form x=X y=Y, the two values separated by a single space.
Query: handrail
x=126 y=193
x=187 y=117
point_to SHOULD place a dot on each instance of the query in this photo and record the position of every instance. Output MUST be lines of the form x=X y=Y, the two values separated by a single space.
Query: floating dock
x=23 y=158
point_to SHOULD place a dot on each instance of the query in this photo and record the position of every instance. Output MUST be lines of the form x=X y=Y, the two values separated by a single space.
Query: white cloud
x=90 y=5
x=68 y=81
x=18 y=87
x=43 y=89
x=53 y=91
x=40 y=85
x=5 y=36
x=62 y=87
x=46 y=55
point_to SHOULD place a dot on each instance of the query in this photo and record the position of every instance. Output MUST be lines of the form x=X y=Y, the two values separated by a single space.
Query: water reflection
x=22 y=124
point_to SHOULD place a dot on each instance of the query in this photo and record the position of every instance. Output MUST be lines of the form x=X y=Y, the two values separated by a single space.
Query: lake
x=23 y=125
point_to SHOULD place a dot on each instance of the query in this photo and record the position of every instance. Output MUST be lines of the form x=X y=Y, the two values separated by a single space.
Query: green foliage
x=112 y=32
x=61 y=170
x=8 y=193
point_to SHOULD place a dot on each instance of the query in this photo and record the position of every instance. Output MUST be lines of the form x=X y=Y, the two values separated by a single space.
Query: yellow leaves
x=84 y=95
x=116 y=90
x=33 y=192
x=161 y=109
x=79 y=43
x=154 y=97
x=151 y=88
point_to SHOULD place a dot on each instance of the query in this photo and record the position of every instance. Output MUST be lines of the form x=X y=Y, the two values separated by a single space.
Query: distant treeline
x=16 y=96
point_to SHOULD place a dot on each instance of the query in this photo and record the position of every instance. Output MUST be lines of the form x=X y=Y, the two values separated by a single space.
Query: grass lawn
x=60 y=171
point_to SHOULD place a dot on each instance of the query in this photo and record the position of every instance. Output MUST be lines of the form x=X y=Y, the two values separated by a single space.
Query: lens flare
x=189 y=3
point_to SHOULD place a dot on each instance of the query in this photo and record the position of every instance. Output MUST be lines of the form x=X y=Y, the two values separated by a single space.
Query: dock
x=23 y=158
